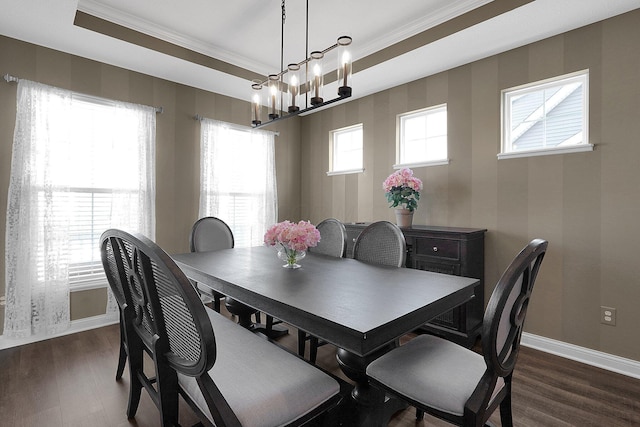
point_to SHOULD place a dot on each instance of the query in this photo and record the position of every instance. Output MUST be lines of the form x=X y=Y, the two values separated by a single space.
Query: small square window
x=346 y=150
x=422 y=137
x=546 y=117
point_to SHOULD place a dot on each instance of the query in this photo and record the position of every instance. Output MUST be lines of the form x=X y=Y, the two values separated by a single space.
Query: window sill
x=87 y=287
x=547 y=151
x=422 y=164
x=345 y=172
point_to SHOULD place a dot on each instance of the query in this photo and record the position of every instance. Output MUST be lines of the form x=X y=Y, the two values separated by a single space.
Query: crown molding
x=144 y=26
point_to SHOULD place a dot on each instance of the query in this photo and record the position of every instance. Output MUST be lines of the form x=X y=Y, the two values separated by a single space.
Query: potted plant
x=403 y=192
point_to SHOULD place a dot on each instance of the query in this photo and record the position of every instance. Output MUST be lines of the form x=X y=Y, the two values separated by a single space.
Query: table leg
x=372 y=406
x=244 y=313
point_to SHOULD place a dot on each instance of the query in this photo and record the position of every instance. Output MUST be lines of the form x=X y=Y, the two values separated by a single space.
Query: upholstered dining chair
x=381 y=243
x=211 y=234
x=126 y=268
x=116 y=285
x=454 y=383
x=333 y=242
x=212 y=362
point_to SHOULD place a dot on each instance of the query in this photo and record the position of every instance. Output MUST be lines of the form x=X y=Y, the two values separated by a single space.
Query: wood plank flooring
x=70 y=381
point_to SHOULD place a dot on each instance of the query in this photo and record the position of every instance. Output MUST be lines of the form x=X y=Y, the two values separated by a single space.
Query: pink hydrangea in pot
x=403 y=192
x=293 y=240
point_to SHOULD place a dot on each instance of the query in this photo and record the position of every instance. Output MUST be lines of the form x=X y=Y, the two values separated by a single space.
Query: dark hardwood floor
x=70 y=381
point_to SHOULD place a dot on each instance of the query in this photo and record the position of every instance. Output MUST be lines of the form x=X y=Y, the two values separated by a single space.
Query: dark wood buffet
x=449 y=250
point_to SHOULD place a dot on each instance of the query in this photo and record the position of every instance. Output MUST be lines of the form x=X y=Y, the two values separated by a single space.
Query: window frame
x=506 y=148
x=332 y=150
x=400 y=118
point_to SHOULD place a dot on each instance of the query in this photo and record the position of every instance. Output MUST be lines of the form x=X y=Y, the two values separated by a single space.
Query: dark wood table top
x=356 y=306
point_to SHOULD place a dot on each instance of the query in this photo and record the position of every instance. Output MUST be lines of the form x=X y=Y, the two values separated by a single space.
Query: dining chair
x=454 y=383
x=116 y=286
x=210 y=234
x=215 y=364
x=213 y=234
x=128 y=266
x=381 y=243
x=333 y=242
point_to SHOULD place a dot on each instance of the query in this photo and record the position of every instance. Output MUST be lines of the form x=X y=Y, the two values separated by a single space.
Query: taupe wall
x=177 y=136
x=586 y=204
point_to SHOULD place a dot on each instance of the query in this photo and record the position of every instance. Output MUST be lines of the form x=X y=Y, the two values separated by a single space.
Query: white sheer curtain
x=67 y=149
x=238 y=179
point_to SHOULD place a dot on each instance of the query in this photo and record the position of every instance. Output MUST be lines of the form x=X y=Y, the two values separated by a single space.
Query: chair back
x=381 y=242
x=210 y=234
x=168 y=315
x=333 y=238
x=113 y=273
x=505 y=314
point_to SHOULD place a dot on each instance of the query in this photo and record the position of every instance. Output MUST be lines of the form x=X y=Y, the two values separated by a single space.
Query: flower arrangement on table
x=403 y=189
x=293 y=238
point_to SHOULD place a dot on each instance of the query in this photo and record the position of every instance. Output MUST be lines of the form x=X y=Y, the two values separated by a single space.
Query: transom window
x=346 y=150
x=422 y=137
x=546 y=117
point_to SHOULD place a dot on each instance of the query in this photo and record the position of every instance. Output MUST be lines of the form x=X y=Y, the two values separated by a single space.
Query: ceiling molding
x=143 y=26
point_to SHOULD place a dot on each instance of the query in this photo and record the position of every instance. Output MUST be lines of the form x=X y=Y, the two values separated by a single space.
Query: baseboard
x=620 y=365
x=76 y=326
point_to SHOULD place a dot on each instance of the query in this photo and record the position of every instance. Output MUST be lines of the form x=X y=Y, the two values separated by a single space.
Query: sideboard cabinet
x=449 y=250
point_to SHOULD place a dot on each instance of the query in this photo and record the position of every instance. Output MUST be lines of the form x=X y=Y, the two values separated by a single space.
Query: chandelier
x=299 y=87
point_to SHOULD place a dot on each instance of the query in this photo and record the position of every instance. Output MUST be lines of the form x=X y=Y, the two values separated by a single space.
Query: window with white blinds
x=97 y=165
x=546 y=117
x=238 y=179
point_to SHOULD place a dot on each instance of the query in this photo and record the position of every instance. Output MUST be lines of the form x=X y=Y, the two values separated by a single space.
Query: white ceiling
x=246 y=33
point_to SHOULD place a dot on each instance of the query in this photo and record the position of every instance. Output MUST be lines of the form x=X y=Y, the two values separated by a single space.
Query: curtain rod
x=200 y=118
x=10 y=79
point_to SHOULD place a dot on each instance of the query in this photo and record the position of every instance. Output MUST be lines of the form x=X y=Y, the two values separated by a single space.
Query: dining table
x=363 y=309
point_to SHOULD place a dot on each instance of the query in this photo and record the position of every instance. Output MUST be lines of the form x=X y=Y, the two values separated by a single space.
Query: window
x=79 y=166
x=422 y=138
x=238 y=179
x=102 y=187
x=346 y=151
x=546 y=117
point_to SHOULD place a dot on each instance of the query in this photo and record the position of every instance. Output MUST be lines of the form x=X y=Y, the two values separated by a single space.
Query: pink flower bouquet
x=403 y=189
x=293 y=238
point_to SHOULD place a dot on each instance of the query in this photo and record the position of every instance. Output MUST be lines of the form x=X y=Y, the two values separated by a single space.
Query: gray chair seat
x=263 y=384
x=432 y=371
x=454 y=383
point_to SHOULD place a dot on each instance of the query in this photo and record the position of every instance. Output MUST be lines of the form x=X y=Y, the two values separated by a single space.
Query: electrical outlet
x=608 y=316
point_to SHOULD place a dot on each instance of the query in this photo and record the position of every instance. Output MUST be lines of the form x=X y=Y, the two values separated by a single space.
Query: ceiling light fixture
x=303 y=89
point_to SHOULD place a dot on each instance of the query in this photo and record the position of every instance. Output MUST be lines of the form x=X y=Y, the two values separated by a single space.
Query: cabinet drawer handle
x=435 y=249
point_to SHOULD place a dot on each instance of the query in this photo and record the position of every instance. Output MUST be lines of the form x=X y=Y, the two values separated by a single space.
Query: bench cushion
x=263 y=384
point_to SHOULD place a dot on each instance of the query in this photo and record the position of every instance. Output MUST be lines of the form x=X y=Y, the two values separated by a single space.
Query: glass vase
x=290 y=256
